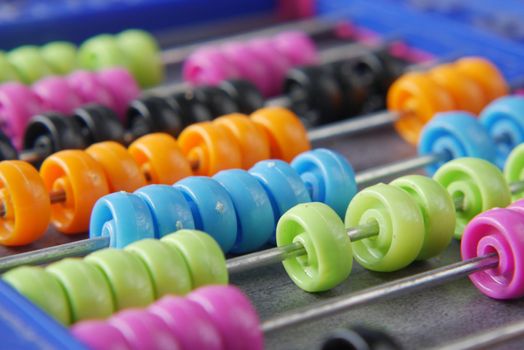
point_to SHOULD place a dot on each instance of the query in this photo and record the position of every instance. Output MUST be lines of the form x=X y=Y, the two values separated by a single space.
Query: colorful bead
x=29 y=64
x=514 y=169
x=60 y=56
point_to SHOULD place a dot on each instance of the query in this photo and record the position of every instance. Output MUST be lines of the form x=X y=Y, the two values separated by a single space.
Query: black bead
x=315 y=89
x=99 y=123
x=7 y=150
x=153 y=114
x=217 y=101
x=359 y=338
x=52 y=132
x=246 y=95
x=191 y=110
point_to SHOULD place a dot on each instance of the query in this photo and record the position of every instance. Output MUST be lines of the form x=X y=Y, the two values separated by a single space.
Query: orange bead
x=489 y=79
x=285 y=132
x=418 y=99
x=160 y=159
x=76 y=174
x=251 y=140
x=122 y=172
x=465 y=92
x=25 y=201
x=209 y=148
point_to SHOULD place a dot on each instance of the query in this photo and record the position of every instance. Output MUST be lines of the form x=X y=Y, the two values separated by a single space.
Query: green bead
x=101 y=51
x=28 y=63
x=86 y=288
x=204 y=258
x=60 y=57
x=143 y=56
x=166 y=266
x=130 y=283
x=514 y=170
x=400 y=227
x=7 y=71
x=329 y=257
x=476 y=184
x=43 y=289
x=437 y=210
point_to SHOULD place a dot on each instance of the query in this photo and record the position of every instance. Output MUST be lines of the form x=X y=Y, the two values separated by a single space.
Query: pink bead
x=144 y=330
x=18 y=103
x=297 y=48
x=517 y=206
x=122 y=87
x=89 y=89
x=100 y=335
x=56 y=95
x=233 y=314
x=499 y=231
x=208 y=66
x=188 y=322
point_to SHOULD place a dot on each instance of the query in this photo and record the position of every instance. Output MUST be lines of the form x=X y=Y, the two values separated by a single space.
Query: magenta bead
x=208 y=66
x=189 y=323
x=278 y=65
x=144 y=330
x=233 y=314
x=56 y=95
x=517 y=206
x=297 y=48
x=121 y=85
x=89 y=89
x=498 y=231
x=100 y=335
x=18 y=103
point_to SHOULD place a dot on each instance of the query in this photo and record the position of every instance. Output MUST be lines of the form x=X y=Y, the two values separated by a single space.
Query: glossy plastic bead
x=124 y=218
x=86 y=86
x=25 y=201
x=514 y=169
x=43 y=289
x=212 y=208
x=122 y=87
x=203 y=256
x=497 y=231
x=29 y=64
x=142 y=54
x=478 y=182
x=86 y=288
x=298 y=48
x=7 y=71
x=99 y=335
x=278 y=65
x=99 y=123
x=246 y=95
x=328 y=258
x=188 y=322
x=144 y=330
x=122 y=172
x=286 y=134
x=60 y=56
x=7 y=149
x=418 y=99
x=401 y=227
x=126 y=275
x=504 y=121
x=486 y=75
x=83 y=181
x=452 y=135
x=166 y=266
x=233 y=315
x=150 y=114
x=328 y=176
x=437 y=210
x=56 y=95
x=208 y=66
x=101 y=51
x=170 y=210
x=252 y=141
x=283 y=185
x=254 y=214
x=160 y=158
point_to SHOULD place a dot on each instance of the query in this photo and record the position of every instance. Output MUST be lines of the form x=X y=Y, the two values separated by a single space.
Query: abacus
x=194 y=195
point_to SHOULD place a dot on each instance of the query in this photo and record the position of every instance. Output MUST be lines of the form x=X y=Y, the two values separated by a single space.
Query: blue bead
x=170 y=210
x=255 y=219
x=212 y=208
x=282 y=184
x=504 y=121
x=454 y=135
x=328 y=176
x=123 y=217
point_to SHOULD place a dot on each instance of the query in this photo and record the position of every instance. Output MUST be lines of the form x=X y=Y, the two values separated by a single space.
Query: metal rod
x=487 y=339
x=387 y=290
